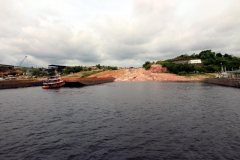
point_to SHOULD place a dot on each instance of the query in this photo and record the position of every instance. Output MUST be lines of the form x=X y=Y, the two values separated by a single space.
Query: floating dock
x=70 y=82
x=75 y=82
x=19 y=84
x=231 y=82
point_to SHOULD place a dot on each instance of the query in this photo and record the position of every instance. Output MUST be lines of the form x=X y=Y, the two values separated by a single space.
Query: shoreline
x=165 y=81
x=29 y=83
x=120 y=75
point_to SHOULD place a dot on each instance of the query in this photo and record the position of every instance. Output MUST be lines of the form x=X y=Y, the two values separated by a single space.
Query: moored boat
x=53 y=82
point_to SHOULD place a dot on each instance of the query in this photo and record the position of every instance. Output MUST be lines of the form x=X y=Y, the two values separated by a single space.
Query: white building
x=195 y=61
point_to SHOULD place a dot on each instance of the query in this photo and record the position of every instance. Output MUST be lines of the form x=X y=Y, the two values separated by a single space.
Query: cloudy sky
x=120 y=33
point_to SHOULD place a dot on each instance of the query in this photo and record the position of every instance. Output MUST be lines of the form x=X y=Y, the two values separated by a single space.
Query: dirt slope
x=140 y=74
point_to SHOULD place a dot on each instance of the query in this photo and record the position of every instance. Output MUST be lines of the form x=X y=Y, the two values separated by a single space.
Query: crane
x=22 y=61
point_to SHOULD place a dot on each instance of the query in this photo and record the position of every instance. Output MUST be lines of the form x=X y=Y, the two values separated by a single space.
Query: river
x=121 y=120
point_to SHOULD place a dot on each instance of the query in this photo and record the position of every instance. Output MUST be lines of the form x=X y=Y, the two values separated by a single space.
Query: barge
x=19 y=84
x=231 y=82
x=227 y=78
x=69 y=82
x=72 y=81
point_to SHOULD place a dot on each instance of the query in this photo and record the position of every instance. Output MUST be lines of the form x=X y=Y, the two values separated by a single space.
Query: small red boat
x=53 y=82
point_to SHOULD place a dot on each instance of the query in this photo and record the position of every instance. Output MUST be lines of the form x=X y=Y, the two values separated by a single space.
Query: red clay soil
x=140 y=74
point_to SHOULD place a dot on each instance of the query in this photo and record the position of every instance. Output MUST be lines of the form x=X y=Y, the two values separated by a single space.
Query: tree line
x=67 y=70
x=75 y=69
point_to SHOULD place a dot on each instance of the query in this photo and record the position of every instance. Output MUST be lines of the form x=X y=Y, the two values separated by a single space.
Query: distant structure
x=53 y=67
x=7 y=66
x=193 y=61
x=28 y=72
x=3 y=67
x=233 y=74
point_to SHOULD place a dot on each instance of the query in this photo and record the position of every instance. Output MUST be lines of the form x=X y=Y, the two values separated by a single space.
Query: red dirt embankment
x=140 y=74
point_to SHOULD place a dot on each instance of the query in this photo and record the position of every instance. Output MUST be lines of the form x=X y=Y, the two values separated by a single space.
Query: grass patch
x=74 y=75
x=82 y=74
x=207 y=75
x=192 y=74
x=87 y=74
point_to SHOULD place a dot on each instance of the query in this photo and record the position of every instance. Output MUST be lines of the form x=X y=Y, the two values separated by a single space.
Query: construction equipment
x=22 y=61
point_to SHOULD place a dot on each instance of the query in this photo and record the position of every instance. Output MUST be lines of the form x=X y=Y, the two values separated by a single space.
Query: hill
x=211 y=63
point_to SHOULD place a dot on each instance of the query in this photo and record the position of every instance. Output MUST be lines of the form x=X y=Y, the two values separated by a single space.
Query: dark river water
x=121 y=120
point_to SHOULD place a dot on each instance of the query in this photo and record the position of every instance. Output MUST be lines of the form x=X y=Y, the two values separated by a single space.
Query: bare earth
x=140 y=74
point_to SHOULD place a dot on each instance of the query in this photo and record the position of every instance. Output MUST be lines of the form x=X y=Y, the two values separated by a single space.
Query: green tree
x=147 y=65
x=36 y=72
x=51 y=73
x=12 y=73
x=3 y=69
x=98 y=66
x=68 y=70
x=219 y=55
x=24 y=69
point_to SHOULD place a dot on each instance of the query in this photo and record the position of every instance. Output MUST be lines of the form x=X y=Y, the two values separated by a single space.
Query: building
x=28 y=72
x=7 y=66
x=193 y=61
x=53 y=67
x=4 y=69
x=234 y=74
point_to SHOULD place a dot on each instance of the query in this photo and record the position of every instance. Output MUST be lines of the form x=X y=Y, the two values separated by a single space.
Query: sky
x=122 y=33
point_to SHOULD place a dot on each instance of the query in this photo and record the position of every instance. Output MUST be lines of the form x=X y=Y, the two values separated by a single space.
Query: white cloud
x=120 y=33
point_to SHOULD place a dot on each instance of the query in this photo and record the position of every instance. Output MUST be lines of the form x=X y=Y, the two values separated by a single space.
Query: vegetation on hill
x=211 y=62
x=87 y=71
x=75 y=69
x=147 y=65
x=87 y=74
x=40 y=72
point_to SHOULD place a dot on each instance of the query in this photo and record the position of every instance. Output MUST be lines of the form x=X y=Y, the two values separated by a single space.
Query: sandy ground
x=140 y=74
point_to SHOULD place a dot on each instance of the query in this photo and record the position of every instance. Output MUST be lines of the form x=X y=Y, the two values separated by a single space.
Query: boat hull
x=52 y=86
